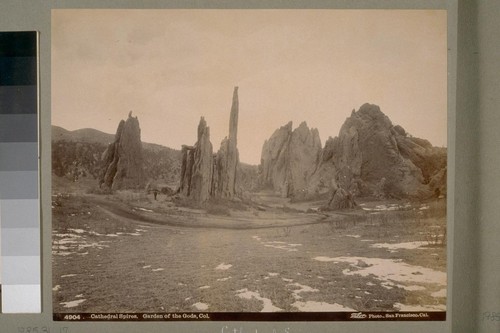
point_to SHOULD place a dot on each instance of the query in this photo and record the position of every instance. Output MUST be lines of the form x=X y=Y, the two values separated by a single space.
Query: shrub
x=100 y=190
x=218 y=210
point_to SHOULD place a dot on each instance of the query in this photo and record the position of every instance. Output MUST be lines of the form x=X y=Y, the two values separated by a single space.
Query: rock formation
x=289 y=158
x=366 y=151
x=437 y=183
x=372 y=157
x=340 y=199
x=197 y=166
x=369 y=157
x=227 y=158
x=204 y=174
x=122 y=160
x=273 y=163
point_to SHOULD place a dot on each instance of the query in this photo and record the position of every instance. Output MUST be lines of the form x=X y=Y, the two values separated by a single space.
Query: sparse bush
x=185 y=202
x=76 y=159
x=437 y=209
x=287 y=209
x=436 y=236
x=238 y=205
x=284 y=232
x=335 y=225
x=343 y=222
x=235 y=204
x=383 y=219
x=218 y=210
x=105 y=190
x=128 y=196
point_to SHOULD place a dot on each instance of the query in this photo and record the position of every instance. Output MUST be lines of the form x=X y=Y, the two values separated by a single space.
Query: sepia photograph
x=249 y=164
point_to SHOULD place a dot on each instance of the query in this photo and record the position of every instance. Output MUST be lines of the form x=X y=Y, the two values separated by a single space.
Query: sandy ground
x=148 y=256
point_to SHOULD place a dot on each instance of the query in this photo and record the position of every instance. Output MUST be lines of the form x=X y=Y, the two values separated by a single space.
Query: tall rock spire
x=197 y=166
x=205 y=175
x=232 y=156
x=227 y=157
x=123 y=161
x=233 y=118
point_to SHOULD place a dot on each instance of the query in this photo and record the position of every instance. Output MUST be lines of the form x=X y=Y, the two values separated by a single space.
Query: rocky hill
x=79 y=153
x=369 y=157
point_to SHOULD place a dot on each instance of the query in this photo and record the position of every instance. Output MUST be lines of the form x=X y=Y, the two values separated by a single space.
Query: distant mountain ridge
x=91 y=135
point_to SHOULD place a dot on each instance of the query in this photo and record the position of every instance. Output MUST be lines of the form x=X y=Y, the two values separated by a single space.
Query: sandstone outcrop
x=123 y=160
x=273 y=163
x=369 y=157
x=372 y=157
x=289 y=158
x=340 y=199
x=197 y=166
x=204 y=174
x=227 y=158
x=437 y=183
x=367 y=151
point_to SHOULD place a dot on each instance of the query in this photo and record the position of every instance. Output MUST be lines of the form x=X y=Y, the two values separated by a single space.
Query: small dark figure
x=155 y=193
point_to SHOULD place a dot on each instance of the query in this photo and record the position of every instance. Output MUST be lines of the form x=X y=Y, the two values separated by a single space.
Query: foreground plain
x=127 y=252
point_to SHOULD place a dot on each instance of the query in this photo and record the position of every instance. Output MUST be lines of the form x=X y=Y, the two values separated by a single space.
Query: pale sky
x=170 y=67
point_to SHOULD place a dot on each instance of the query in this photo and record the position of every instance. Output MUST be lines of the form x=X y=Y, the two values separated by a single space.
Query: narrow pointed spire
x=233 y=118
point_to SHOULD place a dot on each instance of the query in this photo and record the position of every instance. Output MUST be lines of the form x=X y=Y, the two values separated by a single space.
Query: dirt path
x=240 y=220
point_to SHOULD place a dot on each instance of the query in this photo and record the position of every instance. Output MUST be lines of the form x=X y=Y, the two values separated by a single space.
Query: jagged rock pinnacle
x=233 y=118
x=123 y=161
